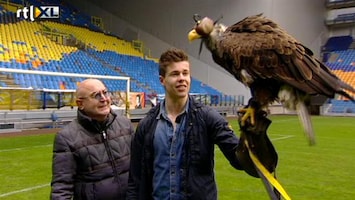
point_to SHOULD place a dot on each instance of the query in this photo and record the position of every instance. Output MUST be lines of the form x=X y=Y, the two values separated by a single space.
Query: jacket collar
x=93 y=125
x=193 y=105
x=163 y=112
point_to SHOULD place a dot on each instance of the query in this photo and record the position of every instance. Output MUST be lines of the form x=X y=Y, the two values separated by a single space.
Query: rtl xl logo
x=42 y=12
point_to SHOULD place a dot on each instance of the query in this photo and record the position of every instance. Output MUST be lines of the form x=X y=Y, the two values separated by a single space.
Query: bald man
x=91 y=155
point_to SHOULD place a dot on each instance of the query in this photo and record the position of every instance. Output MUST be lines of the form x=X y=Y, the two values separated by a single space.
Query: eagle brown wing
x=266 y=51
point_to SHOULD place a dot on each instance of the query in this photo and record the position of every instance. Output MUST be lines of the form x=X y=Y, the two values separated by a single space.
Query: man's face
x=94 y=100
x=177 y=79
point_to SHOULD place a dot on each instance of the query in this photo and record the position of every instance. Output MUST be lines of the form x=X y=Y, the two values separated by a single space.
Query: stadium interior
x=76 y=43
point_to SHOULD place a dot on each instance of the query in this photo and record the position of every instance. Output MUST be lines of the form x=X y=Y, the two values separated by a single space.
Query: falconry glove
x=258 y=156
x=258 y=143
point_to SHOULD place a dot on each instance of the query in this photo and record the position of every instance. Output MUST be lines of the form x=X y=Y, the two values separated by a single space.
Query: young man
x=172 y=153
x=91 y=155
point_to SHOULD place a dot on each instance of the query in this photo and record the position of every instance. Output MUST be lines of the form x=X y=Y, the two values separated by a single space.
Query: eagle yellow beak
x=193 y=35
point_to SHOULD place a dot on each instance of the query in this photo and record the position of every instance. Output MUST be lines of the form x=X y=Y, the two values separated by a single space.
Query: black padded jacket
x=91 y=160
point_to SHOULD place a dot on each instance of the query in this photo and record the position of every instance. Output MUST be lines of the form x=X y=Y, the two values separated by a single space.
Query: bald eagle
x=272 y=63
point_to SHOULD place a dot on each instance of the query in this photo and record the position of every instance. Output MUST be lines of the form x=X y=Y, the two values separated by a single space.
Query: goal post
x=105 y=78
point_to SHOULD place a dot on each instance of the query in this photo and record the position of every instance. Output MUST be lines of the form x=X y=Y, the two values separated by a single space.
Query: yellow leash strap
x=267 y=174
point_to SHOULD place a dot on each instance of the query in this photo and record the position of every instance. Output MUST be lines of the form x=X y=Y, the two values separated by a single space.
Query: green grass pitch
x=324 y=171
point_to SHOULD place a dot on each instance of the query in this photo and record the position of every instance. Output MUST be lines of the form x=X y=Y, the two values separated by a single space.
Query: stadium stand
x=339 y=56
x=343 y=65
x=73 y=44
x=341 y=106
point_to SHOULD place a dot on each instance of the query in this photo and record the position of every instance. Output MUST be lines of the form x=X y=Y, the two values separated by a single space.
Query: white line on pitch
x=282 y=138
x=25 y=148
x=23 y=190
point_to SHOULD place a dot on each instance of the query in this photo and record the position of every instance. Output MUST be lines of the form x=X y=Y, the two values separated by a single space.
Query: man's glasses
x=98 y=95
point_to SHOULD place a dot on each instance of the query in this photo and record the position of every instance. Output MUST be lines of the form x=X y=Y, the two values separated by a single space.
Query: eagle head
x=203 y=28
x=207 y=30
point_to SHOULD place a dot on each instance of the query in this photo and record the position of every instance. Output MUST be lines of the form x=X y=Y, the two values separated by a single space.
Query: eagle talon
x=247 y=113
x=259 y=118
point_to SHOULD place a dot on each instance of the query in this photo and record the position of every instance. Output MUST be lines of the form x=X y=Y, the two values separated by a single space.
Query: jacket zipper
x=110 y=156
